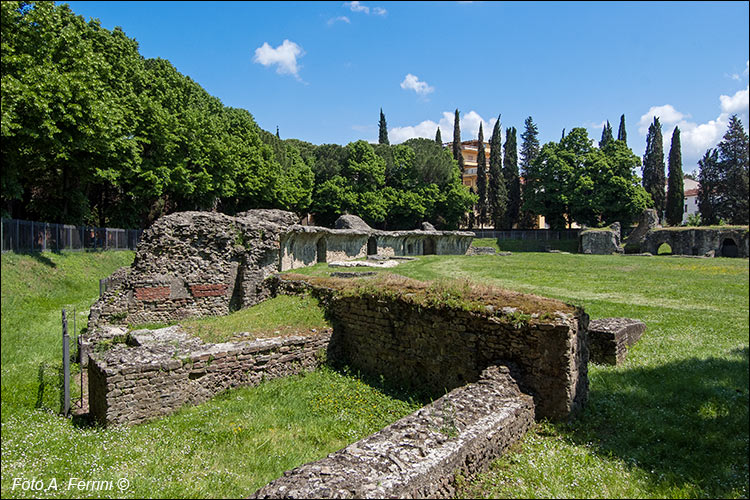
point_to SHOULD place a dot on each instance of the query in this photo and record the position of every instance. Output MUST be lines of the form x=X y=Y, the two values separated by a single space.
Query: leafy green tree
x=653 y=166
x=709 y=187
x=675 y=185
x=363 y=168
x=328 y=161
x=733 y=163
x=573 y=181
x=512 y=180
x=607 y=136
x=383 y=129
x=497 y=196
x=481 y=180
x=622 y=134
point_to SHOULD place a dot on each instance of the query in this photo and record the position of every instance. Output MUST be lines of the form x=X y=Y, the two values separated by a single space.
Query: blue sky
x=321 y=71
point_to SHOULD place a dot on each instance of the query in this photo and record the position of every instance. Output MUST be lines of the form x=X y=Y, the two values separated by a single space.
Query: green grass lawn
x=671 y=422
x=510 y=245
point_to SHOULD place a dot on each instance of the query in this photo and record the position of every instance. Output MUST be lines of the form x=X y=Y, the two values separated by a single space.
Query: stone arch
x=729 y=248
x=372 y=246
x=321 y=248
x=429 y=246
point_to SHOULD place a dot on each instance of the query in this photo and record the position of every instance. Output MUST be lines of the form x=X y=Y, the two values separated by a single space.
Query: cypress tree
x=653 y=166
x=675 y=185
x=383 y=136
x=622 y=135
x=733 y=168
x=277 y=132
x=529 y=152
x=481 y=179
x=438 y=138
x=607 y=136
x=708 y=187
x=497 y=196
x=457 y=143
x=563 y=135
x=512 y=181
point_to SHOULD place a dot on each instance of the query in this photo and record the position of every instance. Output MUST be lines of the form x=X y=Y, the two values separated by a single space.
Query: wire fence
x=29 y=236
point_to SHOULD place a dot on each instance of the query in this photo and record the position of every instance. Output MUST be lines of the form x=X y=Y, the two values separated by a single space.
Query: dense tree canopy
x=574 y=181
x=654 y=179
x=723 y=177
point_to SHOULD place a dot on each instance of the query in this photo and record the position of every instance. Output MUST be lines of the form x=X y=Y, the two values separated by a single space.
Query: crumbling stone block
x=609 y=339
x=420 y=455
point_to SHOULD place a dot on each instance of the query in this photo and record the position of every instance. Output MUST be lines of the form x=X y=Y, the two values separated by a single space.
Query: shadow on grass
x=409 y=394
x=41 y=258
x=686 y=422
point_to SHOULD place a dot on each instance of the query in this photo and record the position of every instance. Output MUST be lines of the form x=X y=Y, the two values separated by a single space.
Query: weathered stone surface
x=420 y=455
x=439 y=348
x=603 y=241
x=192 y=264
x=731 y=241
x=481 y=251
x=426 y=226
x=648 y=220
x=351 y=222
x=168 y=369
x=609 y=339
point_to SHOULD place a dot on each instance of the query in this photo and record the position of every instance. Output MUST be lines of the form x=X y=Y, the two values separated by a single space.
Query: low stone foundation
x=439 y=348
x=730 y=241
x=609 y=339
x=162 y=370
x=420 y=455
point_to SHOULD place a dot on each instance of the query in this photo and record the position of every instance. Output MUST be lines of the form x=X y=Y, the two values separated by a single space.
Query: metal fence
x=29 y=236
x=529 y=234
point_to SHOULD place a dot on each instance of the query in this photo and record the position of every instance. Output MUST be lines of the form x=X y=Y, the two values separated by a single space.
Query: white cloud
x=696 y=138
x=284 y=56
x=343 y=19
x=666 y=114
x=357 y=7
x=738 y=103
x=469 y=124
x=411 y=82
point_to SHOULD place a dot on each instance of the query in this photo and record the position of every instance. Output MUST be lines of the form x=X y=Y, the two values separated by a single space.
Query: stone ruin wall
x=697 y=241
x=444 y=348
x=420 y=455
x=165 y=369
x=194 y=264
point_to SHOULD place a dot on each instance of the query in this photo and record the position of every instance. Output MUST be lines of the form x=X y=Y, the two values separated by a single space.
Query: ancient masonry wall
x=420 y=455
x=610 y=338
x=444 y=348
x=165 y=369
x=699 y=241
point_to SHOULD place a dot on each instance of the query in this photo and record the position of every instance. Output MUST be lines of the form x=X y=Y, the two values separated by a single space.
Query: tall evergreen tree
x=709 y=180
x=733 y=164
x=653 y=166
x=497 y=195
x=512 y=181
x=481 y=179
x=277 y=132
x=457 y=143
x=383 y=135
x=622 y=135
x=675 y=185
x=607 y=136
x=529 y=152
x=438 y=138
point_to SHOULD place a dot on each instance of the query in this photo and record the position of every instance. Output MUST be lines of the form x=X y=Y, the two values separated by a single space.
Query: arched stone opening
x=729 y=248
x=664 y=249
x=428 y=247
x=321 y=249
x=372 y=246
